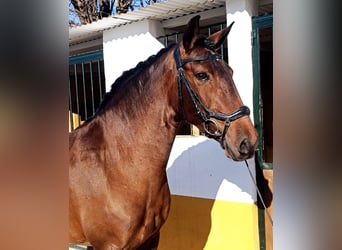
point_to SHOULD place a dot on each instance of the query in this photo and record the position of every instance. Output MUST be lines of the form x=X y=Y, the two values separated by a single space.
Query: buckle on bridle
x=212 y=133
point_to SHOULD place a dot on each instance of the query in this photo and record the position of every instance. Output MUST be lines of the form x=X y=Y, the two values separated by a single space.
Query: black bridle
x=200 y=107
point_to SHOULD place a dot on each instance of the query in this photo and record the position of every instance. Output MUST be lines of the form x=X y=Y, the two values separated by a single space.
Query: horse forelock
x=202 y=41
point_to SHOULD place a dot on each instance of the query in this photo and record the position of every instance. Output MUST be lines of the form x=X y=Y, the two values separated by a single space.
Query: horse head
x=207 y=94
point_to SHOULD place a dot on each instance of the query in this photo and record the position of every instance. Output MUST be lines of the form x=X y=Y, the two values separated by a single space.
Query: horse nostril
x=245 y=147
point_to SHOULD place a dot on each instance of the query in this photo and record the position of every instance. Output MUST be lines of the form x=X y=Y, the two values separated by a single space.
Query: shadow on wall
x=198 y=167
x=198 y=173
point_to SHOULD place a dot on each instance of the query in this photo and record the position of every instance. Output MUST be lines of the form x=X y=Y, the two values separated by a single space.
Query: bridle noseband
x=202 y=109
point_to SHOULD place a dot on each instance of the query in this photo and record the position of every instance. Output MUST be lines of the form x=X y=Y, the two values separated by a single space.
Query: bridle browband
x=200 y=107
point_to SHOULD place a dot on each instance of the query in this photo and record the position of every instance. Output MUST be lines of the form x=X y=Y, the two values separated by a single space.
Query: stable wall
x=213 y=199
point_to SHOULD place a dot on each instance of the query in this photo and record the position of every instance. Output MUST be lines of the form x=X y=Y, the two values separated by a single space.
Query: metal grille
x=86 y=86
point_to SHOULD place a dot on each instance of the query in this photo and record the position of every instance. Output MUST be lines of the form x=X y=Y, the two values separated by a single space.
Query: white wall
x=124 y=47
x=198 y=167
x=240 y=47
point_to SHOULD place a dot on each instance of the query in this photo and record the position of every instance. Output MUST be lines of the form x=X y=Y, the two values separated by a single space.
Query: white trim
x=208 y=14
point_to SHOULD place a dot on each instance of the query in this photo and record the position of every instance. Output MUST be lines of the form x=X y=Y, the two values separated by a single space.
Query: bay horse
x=118 y=190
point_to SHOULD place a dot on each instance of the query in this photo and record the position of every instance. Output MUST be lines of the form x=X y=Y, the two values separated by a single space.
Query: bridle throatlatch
x=200 y=107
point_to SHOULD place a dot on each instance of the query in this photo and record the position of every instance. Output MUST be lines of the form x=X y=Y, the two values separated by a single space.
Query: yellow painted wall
x=197 y=223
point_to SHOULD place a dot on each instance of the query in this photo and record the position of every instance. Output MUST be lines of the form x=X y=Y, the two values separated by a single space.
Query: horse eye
x=202 y=76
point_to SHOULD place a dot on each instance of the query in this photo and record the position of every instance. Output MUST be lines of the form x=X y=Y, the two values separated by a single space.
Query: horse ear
x=191 y=34
x=219 y=37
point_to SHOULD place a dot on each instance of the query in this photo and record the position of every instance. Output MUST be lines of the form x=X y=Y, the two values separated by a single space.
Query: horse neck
x=143 y=112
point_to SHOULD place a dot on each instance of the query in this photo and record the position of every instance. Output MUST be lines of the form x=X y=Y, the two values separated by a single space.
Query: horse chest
x=144 y=208
x=139 y=218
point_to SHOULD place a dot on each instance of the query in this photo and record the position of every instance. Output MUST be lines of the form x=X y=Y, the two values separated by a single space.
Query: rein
x=259 y=194
x=201 y=109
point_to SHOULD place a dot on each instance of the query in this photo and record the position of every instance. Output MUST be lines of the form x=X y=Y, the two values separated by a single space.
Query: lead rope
x=259 y=194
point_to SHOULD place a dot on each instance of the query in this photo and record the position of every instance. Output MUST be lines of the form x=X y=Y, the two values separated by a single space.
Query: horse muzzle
x=240 y=144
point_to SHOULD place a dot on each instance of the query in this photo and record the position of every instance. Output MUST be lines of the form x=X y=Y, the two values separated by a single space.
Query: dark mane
x=128 y=75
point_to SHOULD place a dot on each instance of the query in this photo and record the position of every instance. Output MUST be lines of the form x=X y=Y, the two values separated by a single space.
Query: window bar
x=76 y=90
x=166 y=38
x=99 y=74
x=222 y=54
x=70 y=108
x=92 y=87
x=84 y=94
